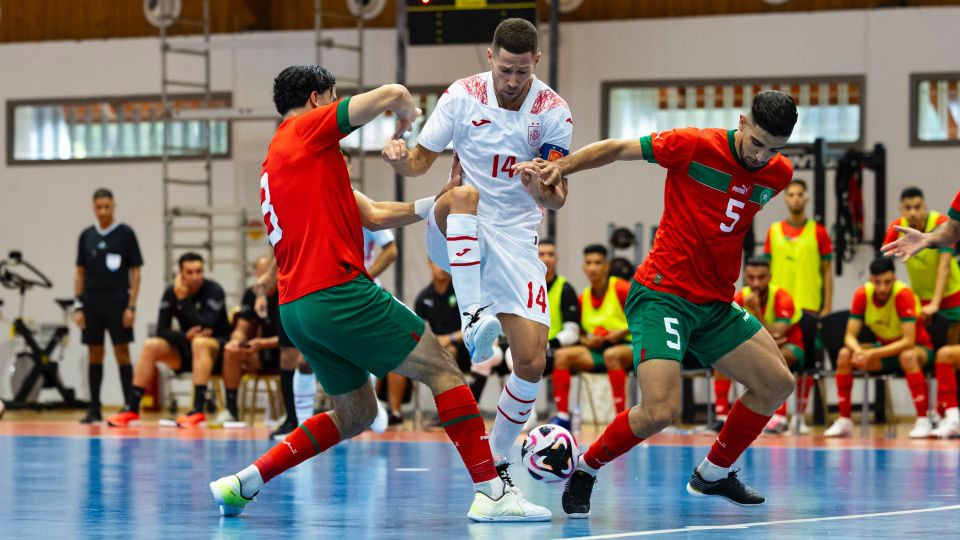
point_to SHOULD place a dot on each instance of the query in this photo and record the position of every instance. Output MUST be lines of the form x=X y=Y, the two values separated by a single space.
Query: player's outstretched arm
x=549 y=196
x=591 y=156
x=389 y=97
x=378 y=215
x=912 y=241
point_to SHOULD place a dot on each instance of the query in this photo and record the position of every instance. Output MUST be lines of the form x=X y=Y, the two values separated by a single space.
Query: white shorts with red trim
x=511 y=274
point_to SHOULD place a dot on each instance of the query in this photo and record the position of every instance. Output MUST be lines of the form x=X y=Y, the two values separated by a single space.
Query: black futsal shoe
x=576 y=494
x=730 y=488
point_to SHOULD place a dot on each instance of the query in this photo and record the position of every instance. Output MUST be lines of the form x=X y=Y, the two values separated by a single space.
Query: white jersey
x=375 y=239
x=490 y=140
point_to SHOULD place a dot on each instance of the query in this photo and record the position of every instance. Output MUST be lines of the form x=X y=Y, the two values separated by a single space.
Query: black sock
x=135 y=397
x=95 y=378
x=199 y=397
x=232 y=402
x=126 y=382
x=286 y=390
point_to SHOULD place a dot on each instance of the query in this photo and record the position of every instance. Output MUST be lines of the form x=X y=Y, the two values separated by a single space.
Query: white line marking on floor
x=411 y=469
x=692 y=528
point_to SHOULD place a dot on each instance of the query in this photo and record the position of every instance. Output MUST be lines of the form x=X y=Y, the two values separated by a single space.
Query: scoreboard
x=441 y=22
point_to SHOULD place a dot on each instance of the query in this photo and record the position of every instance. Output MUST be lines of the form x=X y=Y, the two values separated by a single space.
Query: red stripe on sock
x=499 y=410
x=561 y=389
x=299 y=446
x=844 y=389
x=739 y=431
x=459 y=238
x=467 y=431
x=918 y=390
x=946 y=386
x=721 y=387
x=618 y=382
x=506 y=389
x=615 y=441
x=474 y=263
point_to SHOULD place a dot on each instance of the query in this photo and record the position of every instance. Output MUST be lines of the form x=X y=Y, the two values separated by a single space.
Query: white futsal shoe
x=228 y=494
x=511 y=506
x=922 y=428
x=841 y=427
x=481 y=334
x=948 y=428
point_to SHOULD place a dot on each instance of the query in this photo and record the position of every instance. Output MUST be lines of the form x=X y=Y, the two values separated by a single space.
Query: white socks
x=463 y=251
x=250 y=481
x=513 y=409
x=582 y=466
x=304 y=394
x=491 y=488
x=711 y=472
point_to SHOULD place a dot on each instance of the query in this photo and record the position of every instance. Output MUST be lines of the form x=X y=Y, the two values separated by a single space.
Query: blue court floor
x=80 y=487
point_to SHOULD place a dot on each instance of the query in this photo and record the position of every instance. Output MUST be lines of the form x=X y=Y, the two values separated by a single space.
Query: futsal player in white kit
x=485 y=231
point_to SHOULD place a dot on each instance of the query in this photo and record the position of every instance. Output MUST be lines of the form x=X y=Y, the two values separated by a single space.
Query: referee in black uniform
x=106 y=285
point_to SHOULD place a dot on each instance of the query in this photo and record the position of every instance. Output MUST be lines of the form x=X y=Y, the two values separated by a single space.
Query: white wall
x=43 y=208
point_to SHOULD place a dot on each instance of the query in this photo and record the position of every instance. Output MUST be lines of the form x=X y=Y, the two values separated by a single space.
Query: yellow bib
x=922 y=267
x=609 y=316
x=770 y=312
x=553 y=295
x=884 y=320
x=795 y=265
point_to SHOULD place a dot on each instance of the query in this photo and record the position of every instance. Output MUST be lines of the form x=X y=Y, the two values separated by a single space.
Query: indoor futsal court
x=479 y=269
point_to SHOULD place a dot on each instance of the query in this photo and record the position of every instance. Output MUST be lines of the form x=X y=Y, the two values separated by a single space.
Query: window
x=376 y=132
x=109 y=129
x=934 y=109
x=829 y=107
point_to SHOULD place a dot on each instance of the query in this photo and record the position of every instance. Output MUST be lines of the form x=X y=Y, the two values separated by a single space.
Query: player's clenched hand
x=907 y=245
x=394 y=151
x=405 y=120
x=550 y=172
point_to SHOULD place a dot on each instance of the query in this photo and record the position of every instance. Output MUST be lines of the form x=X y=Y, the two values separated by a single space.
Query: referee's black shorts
x=103 y=312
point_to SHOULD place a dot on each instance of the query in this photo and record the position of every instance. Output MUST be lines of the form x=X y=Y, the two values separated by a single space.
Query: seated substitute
x=890 y=309
x=198 y=305
x=253 y=346
x=773 y=306
x=606 y=342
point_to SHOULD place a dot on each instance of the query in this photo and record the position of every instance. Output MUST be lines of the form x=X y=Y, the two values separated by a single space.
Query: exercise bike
x=34 y=368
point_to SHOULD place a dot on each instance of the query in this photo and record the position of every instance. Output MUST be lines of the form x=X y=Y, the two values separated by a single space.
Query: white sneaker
x=225 y=420
x=841 y=427
x=798 y=424
x=228 y=495
x=511 y=506
x=922 y=428
x=382 y=420
x=480 y=335
x=948 y=429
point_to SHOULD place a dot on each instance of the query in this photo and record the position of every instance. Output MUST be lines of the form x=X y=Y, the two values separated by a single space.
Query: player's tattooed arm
x=591 y=156
x=377 y=215
x=406 y=162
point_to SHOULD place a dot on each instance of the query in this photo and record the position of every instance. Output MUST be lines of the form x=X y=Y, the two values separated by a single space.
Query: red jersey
x=906 y=307
x=783 y=312
x=709 y=203
x=954 y=211
x=308 y=205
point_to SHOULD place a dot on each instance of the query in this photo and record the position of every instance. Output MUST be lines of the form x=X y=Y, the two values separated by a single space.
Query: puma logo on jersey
x=464 y=252
x=741 y=189
x=482 y=121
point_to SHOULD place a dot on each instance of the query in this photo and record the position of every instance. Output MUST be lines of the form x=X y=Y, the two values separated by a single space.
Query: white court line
x=411 y=469
x=693 y=528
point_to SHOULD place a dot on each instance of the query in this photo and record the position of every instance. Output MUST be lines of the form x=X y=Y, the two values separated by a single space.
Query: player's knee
x=203 y=343
x=844 y=357
x=359 y=419
x=463 y=199
x=153 y=346
x=909 y=361
x=663 y=414
x=783 y=385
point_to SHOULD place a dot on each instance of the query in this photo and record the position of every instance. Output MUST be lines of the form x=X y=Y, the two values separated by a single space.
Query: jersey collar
x=731 y=139
x=108 y=230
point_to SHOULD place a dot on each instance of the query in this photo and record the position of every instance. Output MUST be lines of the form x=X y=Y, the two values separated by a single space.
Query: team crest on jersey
x=765 y=196
x=533 y=135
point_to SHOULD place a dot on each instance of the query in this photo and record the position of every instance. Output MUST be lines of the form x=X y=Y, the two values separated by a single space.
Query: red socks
x=742 y=427
x=918 y=389
x=618 y=382
x=615 y=441
x=844 y=389
x=721 y=387
x=312 y=437
x=561 y=389
x=782 y=409
x=461 y=419
x=946 y=386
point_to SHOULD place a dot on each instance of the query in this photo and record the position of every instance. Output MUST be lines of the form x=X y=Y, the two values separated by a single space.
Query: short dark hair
x=517 y=36
x=189 y=256
x=775 y=112
x=293 y=86
x=547 y=242
x=759 y=261
x=881 y=265
x=911 y=192
x=799 y=182
x=102 y=193
x=595 y=248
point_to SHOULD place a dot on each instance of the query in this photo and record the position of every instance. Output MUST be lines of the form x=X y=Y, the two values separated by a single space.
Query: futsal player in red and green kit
x=344 y=324
x=681 y=298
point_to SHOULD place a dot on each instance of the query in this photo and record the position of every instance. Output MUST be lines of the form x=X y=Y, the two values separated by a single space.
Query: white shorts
x=511 y=274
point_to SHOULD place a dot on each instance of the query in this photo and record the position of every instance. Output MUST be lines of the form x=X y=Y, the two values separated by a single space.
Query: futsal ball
x=550 y=453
